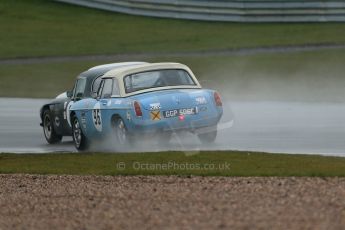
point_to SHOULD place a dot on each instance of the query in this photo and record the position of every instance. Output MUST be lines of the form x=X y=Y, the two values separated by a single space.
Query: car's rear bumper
x=189 y=123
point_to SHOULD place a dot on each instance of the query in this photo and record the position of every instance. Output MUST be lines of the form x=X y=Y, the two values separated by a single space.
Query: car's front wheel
x=79 y=139
x=48 y=129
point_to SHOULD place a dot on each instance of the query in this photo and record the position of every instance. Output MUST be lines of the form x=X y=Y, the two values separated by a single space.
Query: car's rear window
x=157 y=78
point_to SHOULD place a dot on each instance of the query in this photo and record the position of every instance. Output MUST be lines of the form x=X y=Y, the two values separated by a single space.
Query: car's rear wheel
x=79 y=139
x=121 y=135
x=48 y=129
x=209 y=137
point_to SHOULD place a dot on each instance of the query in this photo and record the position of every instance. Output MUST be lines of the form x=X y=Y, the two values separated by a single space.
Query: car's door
x=102 y=108
x=77 y=94
x=105 y=110
x=96 y=117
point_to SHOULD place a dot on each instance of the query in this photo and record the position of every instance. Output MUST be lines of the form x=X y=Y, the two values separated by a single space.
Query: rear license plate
x=179 y=112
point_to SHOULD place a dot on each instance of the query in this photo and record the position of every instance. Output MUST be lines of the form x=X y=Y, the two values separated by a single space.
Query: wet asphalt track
x=286 y=127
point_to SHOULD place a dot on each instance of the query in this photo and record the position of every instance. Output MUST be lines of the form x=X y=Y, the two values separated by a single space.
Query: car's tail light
x=217 y=99
x=137 y=109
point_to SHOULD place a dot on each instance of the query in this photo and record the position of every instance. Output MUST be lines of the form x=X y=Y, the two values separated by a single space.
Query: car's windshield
x=157 y=78
x=80 y=88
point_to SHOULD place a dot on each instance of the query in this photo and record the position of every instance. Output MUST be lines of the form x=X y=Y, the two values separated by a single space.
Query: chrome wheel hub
x=47 y=127
x=121 y=133
x=76 y=133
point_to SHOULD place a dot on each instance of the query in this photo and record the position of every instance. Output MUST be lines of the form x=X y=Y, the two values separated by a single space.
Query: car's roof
x=120 y=73
x=102 y=69
x=127 y=70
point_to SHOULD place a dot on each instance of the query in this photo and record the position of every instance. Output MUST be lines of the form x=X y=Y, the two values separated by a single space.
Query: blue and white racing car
x=146 y=100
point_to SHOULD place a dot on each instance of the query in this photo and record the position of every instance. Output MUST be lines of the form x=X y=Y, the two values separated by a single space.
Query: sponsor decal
x=201 y=100
x=156 y=115
x=128 y=115
x=155 y=106
x=117 y=102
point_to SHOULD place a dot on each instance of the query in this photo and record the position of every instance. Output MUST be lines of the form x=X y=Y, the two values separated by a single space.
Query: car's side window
x=107 y=88
x=100 y=89
x=79 y=88
x=116 y=89
x=96 y=84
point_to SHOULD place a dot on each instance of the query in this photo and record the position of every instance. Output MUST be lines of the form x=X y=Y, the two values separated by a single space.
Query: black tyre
x=122 y=137
x=79 y=139
x=48 y=129
x=208 y=137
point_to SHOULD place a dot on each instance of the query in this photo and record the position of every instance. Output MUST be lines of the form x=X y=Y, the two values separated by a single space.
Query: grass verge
x=222 y=163
x=47 y=28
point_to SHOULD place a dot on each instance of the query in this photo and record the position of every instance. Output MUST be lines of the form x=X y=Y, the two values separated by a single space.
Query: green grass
x=48 y=28
x=176 y=163
x=312 y=76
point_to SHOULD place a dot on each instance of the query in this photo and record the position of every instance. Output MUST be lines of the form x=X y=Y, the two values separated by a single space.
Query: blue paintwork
x=208 y=114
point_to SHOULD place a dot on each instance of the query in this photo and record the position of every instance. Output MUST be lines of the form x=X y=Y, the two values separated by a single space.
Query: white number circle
x=97 y=117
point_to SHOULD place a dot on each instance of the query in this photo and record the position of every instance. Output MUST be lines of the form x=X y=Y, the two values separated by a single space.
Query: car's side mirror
x=79 y=96
x=94 y=95
x=69 y=94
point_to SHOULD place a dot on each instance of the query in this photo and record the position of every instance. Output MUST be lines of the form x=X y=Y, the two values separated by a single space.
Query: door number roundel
x=97 y=117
